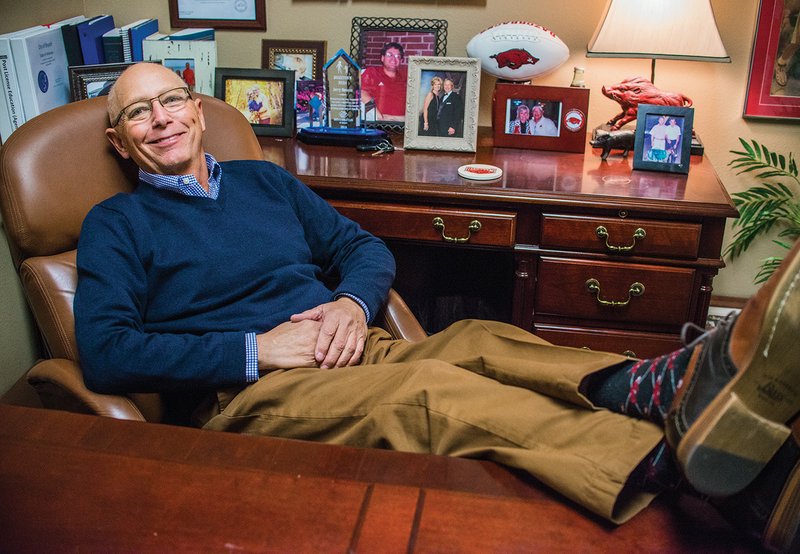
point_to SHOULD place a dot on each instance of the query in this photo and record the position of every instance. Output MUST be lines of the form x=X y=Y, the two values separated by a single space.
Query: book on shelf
x=112 y=46
x=124 y=44
x=17 y=77
x=192 y=33
x=194 y=60
x=72 y=43
x=137 y=32
x=12 y=114
x=41 y=63
x=90 y=34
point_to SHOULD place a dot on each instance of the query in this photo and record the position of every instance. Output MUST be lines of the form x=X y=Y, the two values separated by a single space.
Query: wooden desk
x=540 y=240
x=72 y=482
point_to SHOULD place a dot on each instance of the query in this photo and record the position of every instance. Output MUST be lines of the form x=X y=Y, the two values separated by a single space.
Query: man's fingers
x=314 y=314
x=343 y=348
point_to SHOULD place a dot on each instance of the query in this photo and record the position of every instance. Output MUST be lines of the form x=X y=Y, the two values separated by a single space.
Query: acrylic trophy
x=342 y=110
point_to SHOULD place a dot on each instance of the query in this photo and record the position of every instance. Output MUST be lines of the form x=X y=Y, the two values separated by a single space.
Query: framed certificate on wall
x=219 y=14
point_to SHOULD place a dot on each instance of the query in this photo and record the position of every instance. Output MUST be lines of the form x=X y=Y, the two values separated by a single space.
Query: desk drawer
x=639 y=237
x=609 y=291
x=627 y=343
x=398 y=221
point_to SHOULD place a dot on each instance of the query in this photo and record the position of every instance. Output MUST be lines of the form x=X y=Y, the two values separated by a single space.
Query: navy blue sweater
x=169 y=284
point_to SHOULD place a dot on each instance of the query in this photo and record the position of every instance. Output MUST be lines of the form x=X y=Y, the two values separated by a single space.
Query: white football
x=517 y=50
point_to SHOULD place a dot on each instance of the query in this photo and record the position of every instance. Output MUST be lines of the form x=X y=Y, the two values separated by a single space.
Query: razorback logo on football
x=514 y=58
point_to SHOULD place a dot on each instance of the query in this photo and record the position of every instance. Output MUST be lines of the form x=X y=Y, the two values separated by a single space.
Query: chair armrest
x=60 y=386
x=398 y=319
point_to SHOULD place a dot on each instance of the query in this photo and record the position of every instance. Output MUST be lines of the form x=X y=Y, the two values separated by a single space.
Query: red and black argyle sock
x=657 y=472
x=643 y=389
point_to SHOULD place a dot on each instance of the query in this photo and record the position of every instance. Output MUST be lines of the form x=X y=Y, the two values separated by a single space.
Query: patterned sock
x=642 y=389
x=657 y=472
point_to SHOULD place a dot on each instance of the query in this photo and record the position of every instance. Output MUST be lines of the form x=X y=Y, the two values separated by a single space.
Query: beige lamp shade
x=658 y=29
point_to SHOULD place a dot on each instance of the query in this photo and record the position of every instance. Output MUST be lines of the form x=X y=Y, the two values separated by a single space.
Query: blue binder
x=90 y=34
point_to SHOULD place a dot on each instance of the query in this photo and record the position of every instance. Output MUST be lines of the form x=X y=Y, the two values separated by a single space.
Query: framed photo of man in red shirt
x=381 y=47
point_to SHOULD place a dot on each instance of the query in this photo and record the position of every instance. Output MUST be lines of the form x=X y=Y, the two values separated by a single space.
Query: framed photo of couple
x=442 y=103
x=540 y=118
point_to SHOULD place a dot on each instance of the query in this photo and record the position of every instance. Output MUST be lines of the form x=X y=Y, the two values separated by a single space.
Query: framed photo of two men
x=540 y=117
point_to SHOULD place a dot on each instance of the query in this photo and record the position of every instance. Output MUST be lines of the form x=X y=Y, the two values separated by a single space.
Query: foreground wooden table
x=72 y=482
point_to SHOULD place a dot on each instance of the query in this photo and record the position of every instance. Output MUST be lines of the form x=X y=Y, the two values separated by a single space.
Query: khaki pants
x=479 y=389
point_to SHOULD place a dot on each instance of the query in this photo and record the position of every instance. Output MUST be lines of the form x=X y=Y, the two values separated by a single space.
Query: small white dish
x=480 y=172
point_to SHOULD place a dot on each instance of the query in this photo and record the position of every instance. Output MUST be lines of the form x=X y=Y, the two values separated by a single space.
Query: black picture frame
x=88 y=81
x=418 y=37
x=224 y=21
x=670 y=158
x=276 y=114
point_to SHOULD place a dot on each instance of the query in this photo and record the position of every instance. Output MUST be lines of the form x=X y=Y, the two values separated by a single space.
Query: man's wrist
x=250 y=358
x=358 y=301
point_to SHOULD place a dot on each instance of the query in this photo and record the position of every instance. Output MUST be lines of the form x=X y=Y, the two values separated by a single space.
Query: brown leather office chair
x=53 y=170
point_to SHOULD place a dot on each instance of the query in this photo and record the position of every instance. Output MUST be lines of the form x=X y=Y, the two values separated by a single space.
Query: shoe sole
x=782 y=532
x=742 y=428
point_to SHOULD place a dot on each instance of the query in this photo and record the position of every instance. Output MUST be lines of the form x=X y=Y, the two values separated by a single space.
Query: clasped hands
x=330 y=335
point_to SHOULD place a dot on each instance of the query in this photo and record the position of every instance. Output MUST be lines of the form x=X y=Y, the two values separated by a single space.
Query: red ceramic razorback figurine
x=638 y=90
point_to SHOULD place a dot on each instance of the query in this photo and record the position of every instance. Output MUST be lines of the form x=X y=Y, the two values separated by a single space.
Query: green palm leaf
x=767 y=206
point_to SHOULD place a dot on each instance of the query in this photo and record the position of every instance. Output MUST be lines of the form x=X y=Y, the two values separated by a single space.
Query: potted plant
x=772 y=204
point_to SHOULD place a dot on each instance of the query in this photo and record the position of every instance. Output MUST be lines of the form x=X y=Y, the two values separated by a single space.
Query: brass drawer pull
x=602 y=233
x=593 y=286
x=474 y=227
x=628 y=353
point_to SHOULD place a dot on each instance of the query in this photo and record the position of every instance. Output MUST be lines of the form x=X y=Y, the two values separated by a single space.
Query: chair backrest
x=53 y=169
x=57 y=166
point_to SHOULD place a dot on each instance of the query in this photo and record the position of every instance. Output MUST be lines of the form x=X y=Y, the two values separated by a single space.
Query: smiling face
x=448 y=85
x=168 y=143
x=391 y=59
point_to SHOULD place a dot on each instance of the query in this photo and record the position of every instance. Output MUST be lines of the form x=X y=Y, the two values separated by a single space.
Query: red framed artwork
x=540 y=118
x=773 y=86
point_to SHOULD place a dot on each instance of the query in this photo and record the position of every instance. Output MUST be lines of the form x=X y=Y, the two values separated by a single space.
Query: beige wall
x=716 y=89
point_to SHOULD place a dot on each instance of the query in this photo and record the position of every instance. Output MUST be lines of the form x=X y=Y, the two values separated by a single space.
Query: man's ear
x=116 y=141
x=199 y=104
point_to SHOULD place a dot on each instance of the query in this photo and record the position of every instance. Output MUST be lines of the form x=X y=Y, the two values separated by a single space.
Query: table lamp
x=658 y=29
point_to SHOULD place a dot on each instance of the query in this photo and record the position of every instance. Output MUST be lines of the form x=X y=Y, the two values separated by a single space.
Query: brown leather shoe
x=742 y=386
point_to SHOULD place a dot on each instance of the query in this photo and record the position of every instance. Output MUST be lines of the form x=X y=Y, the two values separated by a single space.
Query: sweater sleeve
x=364 y=266
x=118 y=354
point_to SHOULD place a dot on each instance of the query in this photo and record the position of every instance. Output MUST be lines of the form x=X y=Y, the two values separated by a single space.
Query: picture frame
x=88 y=81
x=540 y=117
x=222 y=14
x=657 y=149
x=383 y=96
x=766 y=98
x=304 y=57
x=264 y=96
x=456 y=127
